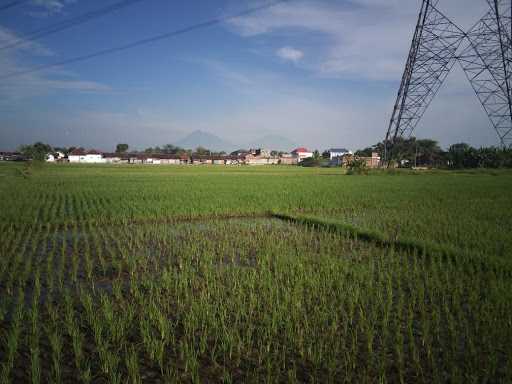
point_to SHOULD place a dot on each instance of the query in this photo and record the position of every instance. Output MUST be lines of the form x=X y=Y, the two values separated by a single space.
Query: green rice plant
x=109 y=362
x=153 y=344
x=12 y=243
x=74 y=267
x=63 y=258
x=35 y=360
x=56 y=346
x=35 y=365
x=12 y=340
x=88 y=262
x=117 y=289
x=199 y=297
x=132 y=365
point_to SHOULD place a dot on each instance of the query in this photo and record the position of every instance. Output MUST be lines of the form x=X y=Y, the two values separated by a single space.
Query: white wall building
x=302 y=153
x=54 y=156
x=89 y=157
x=112 y=158
x=335 y=153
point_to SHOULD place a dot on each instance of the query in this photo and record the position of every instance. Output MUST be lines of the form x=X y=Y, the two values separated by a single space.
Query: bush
x=357 y=167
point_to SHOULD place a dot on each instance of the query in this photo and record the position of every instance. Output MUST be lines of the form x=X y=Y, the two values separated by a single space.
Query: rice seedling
x=136 y=274
x=12 y=339
x=132 y=366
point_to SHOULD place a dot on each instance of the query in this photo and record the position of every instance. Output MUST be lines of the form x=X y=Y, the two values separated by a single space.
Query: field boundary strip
x=408 y=245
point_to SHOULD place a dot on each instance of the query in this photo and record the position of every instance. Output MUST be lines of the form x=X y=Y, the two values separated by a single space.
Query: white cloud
x=36 y=83
x=7 y=38
x=49 y=7
x=222 y=71
x=366 y=39
x=290 y=54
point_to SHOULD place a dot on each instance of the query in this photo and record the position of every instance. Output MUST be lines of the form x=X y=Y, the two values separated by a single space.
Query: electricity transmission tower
x=484 y=53
x=486 y=59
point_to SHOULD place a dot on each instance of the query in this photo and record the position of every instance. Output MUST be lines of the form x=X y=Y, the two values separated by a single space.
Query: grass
x=180 y=274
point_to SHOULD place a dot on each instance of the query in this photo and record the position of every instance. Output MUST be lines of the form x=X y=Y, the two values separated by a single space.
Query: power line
x=149 y=40
x=12 y=4
x=45 y=31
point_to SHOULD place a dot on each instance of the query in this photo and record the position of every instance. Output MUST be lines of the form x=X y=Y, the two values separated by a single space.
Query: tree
x=316 y=155
x=170 y=149
x=357 y=167
x=428 y=152
x=367 y=152
x=64 y=150
x=326 y=155
x=122 y=148
x=459 y=155
x=37 y=151
x=410 y=151
x=201 y=151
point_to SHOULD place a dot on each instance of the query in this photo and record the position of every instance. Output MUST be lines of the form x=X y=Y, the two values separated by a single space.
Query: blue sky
x=322 y=73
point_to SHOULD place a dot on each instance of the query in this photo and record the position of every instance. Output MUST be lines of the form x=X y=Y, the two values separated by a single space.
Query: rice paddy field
x=162 y=274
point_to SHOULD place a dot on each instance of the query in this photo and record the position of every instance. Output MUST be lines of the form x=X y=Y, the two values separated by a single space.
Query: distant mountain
x=273 y=142
x=206 y=140
x=215 y=143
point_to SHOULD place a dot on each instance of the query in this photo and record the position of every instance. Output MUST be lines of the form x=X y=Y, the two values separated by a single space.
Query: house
x=338 y=152
x=55 y=156
x=136 y=158
x=11 y=156
x=154 y=160
x=288 y=159
x=260 y=160
x=234 y=160
x=184 y=159
x=94 y=156
x=171 y=159
x=342 y=161
x=240 y=153
x=348 y=158
x=201 y=160
x=302 y=153
x=219 y=160
x=372 y=162
x=260 y=157
x=112 y=158
x=79 y=155
x=260 y=152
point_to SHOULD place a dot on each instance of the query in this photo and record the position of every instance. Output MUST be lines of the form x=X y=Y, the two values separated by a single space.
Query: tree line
x=409 y=152
x=414 y=152
x=38 y=151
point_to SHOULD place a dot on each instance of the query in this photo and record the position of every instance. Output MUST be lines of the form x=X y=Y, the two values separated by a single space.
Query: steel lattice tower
x=485 y=54
x=486 y=60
